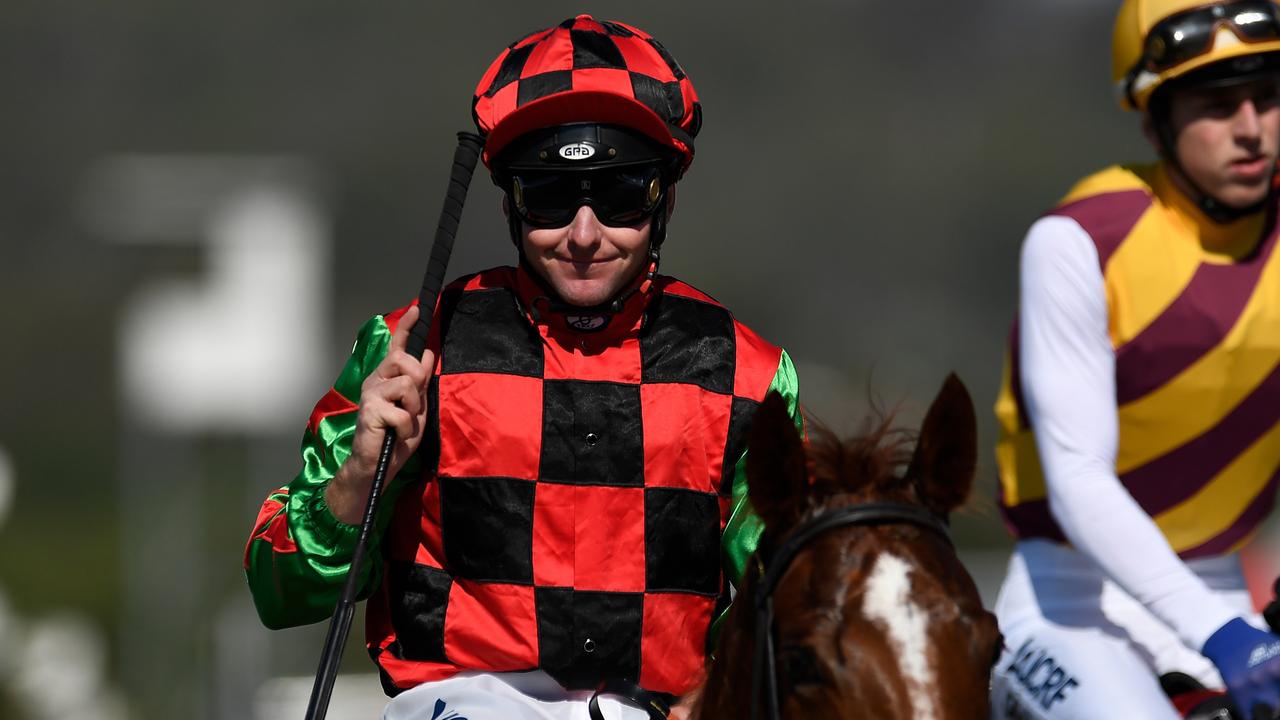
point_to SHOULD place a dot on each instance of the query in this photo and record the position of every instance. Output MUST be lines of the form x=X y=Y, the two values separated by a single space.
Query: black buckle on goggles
x=1186 y=35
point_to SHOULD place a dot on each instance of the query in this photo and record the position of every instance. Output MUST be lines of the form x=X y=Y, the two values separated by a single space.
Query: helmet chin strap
x=613 y=306
x=1217 y=211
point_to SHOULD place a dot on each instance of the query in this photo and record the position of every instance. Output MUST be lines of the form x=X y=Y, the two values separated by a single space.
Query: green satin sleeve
x=742 y=531
x=298 y=555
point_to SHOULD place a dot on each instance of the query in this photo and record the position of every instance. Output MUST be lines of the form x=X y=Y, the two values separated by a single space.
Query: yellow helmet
x=1155 y=41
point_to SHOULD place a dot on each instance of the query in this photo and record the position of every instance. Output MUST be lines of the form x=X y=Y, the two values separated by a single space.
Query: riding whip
x=464 y=162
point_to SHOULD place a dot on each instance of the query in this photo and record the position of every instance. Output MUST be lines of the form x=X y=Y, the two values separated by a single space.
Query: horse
x=856 y=605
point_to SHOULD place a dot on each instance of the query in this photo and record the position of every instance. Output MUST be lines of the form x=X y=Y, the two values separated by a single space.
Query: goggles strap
x=1216 y=22
x=515 y=226
x=658 y=225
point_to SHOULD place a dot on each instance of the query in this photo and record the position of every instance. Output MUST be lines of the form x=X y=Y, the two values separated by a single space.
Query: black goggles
x=1186 y=35
x=619 y=196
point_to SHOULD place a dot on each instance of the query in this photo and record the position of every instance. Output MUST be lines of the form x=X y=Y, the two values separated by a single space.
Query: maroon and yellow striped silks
x=1194 y=319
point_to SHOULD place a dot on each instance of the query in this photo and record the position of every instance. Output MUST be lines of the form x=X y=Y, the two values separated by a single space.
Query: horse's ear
x=776 y=468
x=946 y=455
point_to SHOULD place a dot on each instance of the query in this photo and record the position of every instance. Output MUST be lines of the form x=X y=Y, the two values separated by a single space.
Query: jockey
x=568 y=505
x=1140 y=441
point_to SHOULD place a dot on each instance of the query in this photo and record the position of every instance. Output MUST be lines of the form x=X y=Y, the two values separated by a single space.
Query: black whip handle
x=464 y=163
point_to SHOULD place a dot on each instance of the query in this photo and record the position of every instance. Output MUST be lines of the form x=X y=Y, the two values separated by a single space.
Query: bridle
x=764 y=671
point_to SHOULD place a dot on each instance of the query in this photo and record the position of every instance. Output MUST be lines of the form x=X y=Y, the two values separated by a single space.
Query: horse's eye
x=799 y=666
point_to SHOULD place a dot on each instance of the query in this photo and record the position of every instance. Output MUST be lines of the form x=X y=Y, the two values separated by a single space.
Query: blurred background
x=200 y=203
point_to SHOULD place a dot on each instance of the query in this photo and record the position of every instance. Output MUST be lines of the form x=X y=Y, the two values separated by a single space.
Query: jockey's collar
x=543 y=307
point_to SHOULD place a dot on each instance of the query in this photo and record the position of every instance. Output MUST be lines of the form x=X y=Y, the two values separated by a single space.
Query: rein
x=764 y=671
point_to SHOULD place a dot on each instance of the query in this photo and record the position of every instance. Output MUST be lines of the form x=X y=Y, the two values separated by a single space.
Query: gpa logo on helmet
x=577 y=151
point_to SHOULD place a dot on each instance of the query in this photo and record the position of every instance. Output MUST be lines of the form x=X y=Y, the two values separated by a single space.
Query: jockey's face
x=1227 y=138
x=586 y=261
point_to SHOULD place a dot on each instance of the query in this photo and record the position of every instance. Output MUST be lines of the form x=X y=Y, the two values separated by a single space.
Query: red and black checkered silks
x=586 y=70
x=575 y=521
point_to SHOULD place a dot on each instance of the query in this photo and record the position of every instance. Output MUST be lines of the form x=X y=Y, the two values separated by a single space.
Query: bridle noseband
x=764 y=671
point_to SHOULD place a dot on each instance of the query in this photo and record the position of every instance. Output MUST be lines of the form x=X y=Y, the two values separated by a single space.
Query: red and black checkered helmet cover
x=587 y=70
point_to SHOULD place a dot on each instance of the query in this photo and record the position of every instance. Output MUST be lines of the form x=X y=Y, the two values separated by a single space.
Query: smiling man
x=1140 y=414
x=568 y=506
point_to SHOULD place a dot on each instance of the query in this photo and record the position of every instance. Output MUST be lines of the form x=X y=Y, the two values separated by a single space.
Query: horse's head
x=875 y=617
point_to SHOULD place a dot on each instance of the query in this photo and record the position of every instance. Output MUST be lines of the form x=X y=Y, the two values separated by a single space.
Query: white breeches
x=1077 y=646
x=501 y=696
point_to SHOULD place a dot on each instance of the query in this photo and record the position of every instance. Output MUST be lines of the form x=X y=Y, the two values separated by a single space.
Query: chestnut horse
x=856 y=605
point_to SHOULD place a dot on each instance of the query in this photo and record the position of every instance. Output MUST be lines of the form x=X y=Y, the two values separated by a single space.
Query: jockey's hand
x=1249 y=661
x=393 y=396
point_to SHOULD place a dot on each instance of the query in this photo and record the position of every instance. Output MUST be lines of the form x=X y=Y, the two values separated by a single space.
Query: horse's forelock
x=871 y=460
